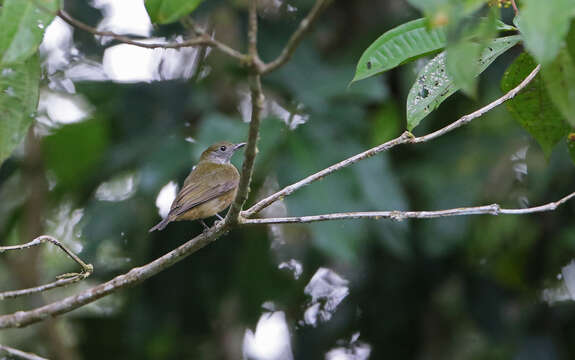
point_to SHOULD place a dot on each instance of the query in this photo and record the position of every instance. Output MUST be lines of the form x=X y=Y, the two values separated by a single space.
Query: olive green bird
x=209 y=188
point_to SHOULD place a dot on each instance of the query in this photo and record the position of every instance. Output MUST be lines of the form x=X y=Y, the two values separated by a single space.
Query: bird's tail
x=161 y=225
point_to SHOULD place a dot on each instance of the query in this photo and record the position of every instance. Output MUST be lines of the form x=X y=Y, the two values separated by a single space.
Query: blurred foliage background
x=452 y=288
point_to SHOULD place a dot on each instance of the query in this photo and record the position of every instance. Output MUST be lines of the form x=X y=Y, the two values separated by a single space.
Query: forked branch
x=63 y=280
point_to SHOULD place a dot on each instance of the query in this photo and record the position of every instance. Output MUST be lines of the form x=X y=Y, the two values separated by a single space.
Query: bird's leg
x=219 y=216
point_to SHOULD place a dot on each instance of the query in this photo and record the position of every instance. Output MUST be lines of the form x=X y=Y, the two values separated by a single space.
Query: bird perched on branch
x=209 y=188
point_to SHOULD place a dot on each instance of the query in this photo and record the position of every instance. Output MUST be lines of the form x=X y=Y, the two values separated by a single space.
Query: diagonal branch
x=493 y=209
x=201 y=39
x=405 y=138
x=19 y=353
x=296 y=38
x=63 y=280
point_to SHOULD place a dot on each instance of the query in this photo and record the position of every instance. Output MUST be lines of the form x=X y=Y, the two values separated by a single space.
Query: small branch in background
x=515 y=7
x=405 y=138
x=296 y=37
x=19 y=354
x=202 y=39
x=63 y=280
x=493 y=209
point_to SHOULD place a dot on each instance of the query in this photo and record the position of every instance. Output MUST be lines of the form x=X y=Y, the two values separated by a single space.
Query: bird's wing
x=198 y=190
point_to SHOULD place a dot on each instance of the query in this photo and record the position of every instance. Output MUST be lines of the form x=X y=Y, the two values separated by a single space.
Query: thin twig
x=515 y=7
x=405 y=138
x=63 y=280
x=19 y=353
x=493 y=209
x=202 y=39
x=296 y=37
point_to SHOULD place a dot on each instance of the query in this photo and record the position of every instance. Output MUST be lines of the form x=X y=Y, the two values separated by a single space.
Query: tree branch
x=131 y=278
x=296 y=37
x=63 y=280
x=257 y=99
x=201 y=39
x=404 y=138
x=19 y=353
x=493 y=209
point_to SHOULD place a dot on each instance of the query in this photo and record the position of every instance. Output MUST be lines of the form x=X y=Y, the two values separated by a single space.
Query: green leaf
x=18 y=101
x=559 y=78
x=433 y=85
x=22 y=25
x=543 y=25
x=501 y=26
x=532 y=108
x=399 y=45
x=461 y=54
x=169 y=11
x=74 y=152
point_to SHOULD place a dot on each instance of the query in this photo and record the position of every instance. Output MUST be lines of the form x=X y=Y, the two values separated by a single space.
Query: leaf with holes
x=22 y=25
x=433 y=85
x=532 y=108
x=18 y=100
x=404 y=43
x=169 y=11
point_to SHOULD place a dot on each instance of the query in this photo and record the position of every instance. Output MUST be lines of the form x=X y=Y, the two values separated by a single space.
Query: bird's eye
x=223 y=148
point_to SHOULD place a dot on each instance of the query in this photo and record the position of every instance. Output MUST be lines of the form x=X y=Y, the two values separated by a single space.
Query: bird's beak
x=240 y=145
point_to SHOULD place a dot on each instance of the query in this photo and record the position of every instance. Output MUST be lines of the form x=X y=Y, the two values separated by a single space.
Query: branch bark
x=493 y=209
x=19 y=353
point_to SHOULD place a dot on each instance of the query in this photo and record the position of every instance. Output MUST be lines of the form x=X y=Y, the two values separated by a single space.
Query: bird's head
x=220 y=153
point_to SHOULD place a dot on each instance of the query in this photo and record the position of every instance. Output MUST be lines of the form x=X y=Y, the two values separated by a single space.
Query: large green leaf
x=18 y=102
x=399 y=45
x=543 y=25
x=570 y=40
x=433 y=85
x=168 y=11
x=74 y=151
x=22 y=25
x=532 y=108
x=559 y=78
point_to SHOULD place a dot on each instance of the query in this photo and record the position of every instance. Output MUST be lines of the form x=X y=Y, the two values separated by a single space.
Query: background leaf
x=168 y=11
x=401 y=44
x=461 y=54
x=433 y=85
x=22 y=25
x=532 y=107
x=18 y=100
x=559 y=78
x=543 y=25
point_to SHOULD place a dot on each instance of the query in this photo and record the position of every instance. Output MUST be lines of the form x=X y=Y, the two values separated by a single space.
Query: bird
x=210 y=187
